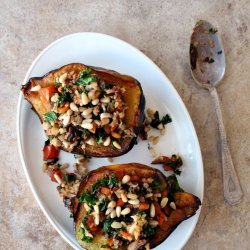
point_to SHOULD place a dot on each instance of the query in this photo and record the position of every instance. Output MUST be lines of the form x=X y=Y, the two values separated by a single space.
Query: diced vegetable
x=50 y=152
x=45 y=95
x=106 y=191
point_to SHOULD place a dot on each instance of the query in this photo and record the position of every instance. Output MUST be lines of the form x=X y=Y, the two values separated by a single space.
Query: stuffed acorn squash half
x=129 y=206
x=86 y=110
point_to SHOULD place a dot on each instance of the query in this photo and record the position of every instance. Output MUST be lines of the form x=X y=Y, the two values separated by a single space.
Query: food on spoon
x=128 y=206
x=87 y=110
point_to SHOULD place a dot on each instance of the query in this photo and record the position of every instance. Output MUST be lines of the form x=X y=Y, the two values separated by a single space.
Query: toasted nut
x=153 y=223
x=156 y=140
x=147 y=129
x=111 y=204
x=108 y=211
x=147 y=246
x=87 y=116
x=97 y=218
x=66 y=120
x=116 y=225
x=124 y=197
x=152 y=210
x=63 y=78
x=87 y=125
x=107 y=141
x=110 y=159
x=148 y=195
x=157 y=195
x=73 y=107
x=105 y=121
x=126 y=178
x=150 y=112
x=164 y=202
x=35 y=88
x=86 y=206
x=131 y=196
x=145 y=185
x=105 y=115
x=113 y=214
x=150 y=180
x=87 y=111
x=134 y=202
x=69 y=112
x=95 y=102
x=96 y=208
x=87 y=121
x=118 y=211
x=125 y=211
x=117 y=145
x=160 y=126
x=172 y=205
x=91 y=142
x=58 y=178
x=151 y=138
x=105 y=100
x=152 y=152
x=162 y=131
x=85 y=99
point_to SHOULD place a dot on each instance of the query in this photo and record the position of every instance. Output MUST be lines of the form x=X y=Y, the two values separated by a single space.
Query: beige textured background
x=161 y=29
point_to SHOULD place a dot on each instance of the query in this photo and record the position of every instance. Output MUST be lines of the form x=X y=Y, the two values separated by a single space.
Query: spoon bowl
x=207 y=58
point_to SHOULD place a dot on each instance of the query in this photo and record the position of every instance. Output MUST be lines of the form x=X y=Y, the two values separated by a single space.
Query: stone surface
x=161 y=29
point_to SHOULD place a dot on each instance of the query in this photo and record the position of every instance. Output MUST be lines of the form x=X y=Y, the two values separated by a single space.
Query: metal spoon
x=207 y=61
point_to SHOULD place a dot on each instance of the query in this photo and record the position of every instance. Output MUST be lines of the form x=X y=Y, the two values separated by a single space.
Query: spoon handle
x=232 y=190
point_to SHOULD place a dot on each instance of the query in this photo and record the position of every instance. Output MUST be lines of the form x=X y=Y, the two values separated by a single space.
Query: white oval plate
x=109 y=52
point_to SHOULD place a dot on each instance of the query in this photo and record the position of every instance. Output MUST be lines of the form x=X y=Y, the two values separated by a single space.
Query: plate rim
x=58 y=228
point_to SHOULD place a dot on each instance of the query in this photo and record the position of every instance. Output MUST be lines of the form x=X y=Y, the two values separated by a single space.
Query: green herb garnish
x=156 y=121
x=213 y=30
x=211 y=60
x=84 y=237
x=113 y=181
x=149 y=231
x=85 y=133
x=173 y=185
x=99 y=139
x=85 y=78
x=50 y=116
x=103 y=205
x=69 y=177
x=88 y=198
x=156 y=184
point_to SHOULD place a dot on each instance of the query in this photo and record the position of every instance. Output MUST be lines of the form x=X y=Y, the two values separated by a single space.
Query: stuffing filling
x=84 y=110
x=126 y=208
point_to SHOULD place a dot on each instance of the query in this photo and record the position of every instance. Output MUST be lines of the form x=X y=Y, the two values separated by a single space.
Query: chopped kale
x=107 y=226
x=69 y=177
x=88 y=198
x=103 y=205
x=173 y=185
x=174 y=163
x=84 y=237
x=99 y=139
x=50 y=116
x=156 y=184
x=113 y=181
x=149 y=231
x=101 y=183
x=156 y=121
x=104 y=86
x=213 y=30
x=85 y=78
x=86 y=133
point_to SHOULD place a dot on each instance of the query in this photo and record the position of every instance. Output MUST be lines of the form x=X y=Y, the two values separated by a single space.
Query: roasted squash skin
x=134 y=98
x=186 y=204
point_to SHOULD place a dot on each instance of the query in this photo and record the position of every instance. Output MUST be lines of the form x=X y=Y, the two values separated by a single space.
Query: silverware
x=207 y=60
